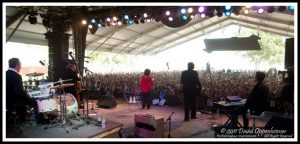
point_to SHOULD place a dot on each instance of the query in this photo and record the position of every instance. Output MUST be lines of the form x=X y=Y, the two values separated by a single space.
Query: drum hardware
x=61 y=81
x=62 y=86
x=63 y=117
x=34 y=74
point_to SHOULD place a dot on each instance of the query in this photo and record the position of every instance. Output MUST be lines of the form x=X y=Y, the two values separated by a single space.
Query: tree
x=272 y=48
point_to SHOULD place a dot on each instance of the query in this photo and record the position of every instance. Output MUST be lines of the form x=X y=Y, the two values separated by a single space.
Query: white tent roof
x=154 y=37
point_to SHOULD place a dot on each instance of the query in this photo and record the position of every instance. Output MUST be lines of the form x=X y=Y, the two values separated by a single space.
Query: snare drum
x=35 y=94
x=45 y=88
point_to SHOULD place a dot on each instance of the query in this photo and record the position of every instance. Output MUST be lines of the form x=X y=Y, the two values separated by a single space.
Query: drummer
x=16 y=97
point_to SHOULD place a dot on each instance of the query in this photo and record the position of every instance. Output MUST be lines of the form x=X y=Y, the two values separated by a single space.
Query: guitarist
x=73 y=74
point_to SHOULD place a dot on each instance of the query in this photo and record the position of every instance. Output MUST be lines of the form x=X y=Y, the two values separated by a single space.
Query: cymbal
x=34 y=74
x=62 y=86
x=61 y=81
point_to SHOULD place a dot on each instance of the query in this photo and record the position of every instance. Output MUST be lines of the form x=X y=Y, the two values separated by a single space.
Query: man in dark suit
x=16 y=97
x=191 y=87
x=257 y=102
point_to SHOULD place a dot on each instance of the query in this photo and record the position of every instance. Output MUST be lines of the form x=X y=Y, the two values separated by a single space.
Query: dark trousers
x=243 y=111
x=21 y=110
x=189 y=105
x=146 y=99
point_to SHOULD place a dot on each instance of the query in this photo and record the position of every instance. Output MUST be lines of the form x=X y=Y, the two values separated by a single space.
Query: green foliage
x=272 y=47
x=106 y=57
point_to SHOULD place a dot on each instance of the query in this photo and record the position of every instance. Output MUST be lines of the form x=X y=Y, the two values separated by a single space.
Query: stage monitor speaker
x=107 y=102
x=172 y=100
x=289 y=53
x=281 y=123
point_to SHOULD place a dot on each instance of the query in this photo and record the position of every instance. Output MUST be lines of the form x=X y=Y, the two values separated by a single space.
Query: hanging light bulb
x=190 y=10
x=83 y=22
x=168 y=13
x=201 y=9
x=115 y=18
x=246 y=11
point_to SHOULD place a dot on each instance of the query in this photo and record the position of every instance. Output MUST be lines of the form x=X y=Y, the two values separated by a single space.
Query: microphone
x=86 y=70
x=41 y=62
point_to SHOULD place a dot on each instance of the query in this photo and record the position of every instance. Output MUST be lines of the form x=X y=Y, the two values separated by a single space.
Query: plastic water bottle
x=134 y=100
x=218 y=114
x=103 y=121
x=248 y=113
x=98 y=118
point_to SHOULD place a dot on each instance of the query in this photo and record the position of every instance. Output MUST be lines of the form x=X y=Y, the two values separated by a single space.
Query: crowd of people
x=216 y=85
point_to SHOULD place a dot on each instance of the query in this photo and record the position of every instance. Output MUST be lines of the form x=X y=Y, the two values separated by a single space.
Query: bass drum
x=71 y=103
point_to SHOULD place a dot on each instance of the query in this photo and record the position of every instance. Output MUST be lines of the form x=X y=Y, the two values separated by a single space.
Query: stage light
x=202 y=15
x=227 y=8
x=99 y=25
x=291 y=8
x=270 y=9
x=281 y=8
x=219 y=14
x=168 y=13
x=46 y=22
x=130 y=22
x=108 y=19
x=170 y=19
x=126 y=17
x=192 y=16
x=93 y=29
x=260 y=10
x=201 y=9
x=113 y=24
x=90 y=26
x=190 y=10
x=148 y=20
x=115 y=18
x=83 y=22
x=183 y=11
x=93 y=21
x=32 y=19
x=137 y=17
x=136 y=21
x=184 y=17
x=236 y=10
x=145 y=15
x=119 y=23
x=246 y=11
x=227 y=13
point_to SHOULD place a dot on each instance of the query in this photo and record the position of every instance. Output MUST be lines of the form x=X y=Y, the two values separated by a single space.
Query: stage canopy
x=148 y=37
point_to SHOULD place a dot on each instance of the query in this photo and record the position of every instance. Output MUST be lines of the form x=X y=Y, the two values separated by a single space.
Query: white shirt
x=12 y=69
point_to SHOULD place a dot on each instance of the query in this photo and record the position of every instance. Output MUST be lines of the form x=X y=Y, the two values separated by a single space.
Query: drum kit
x=53 y=100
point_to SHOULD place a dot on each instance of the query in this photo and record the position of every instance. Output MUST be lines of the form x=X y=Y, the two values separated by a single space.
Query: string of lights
x=117 y=16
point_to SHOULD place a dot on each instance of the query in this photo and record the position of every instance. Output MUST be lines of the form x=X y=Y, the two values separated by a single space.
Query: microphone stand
x=169 y=130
